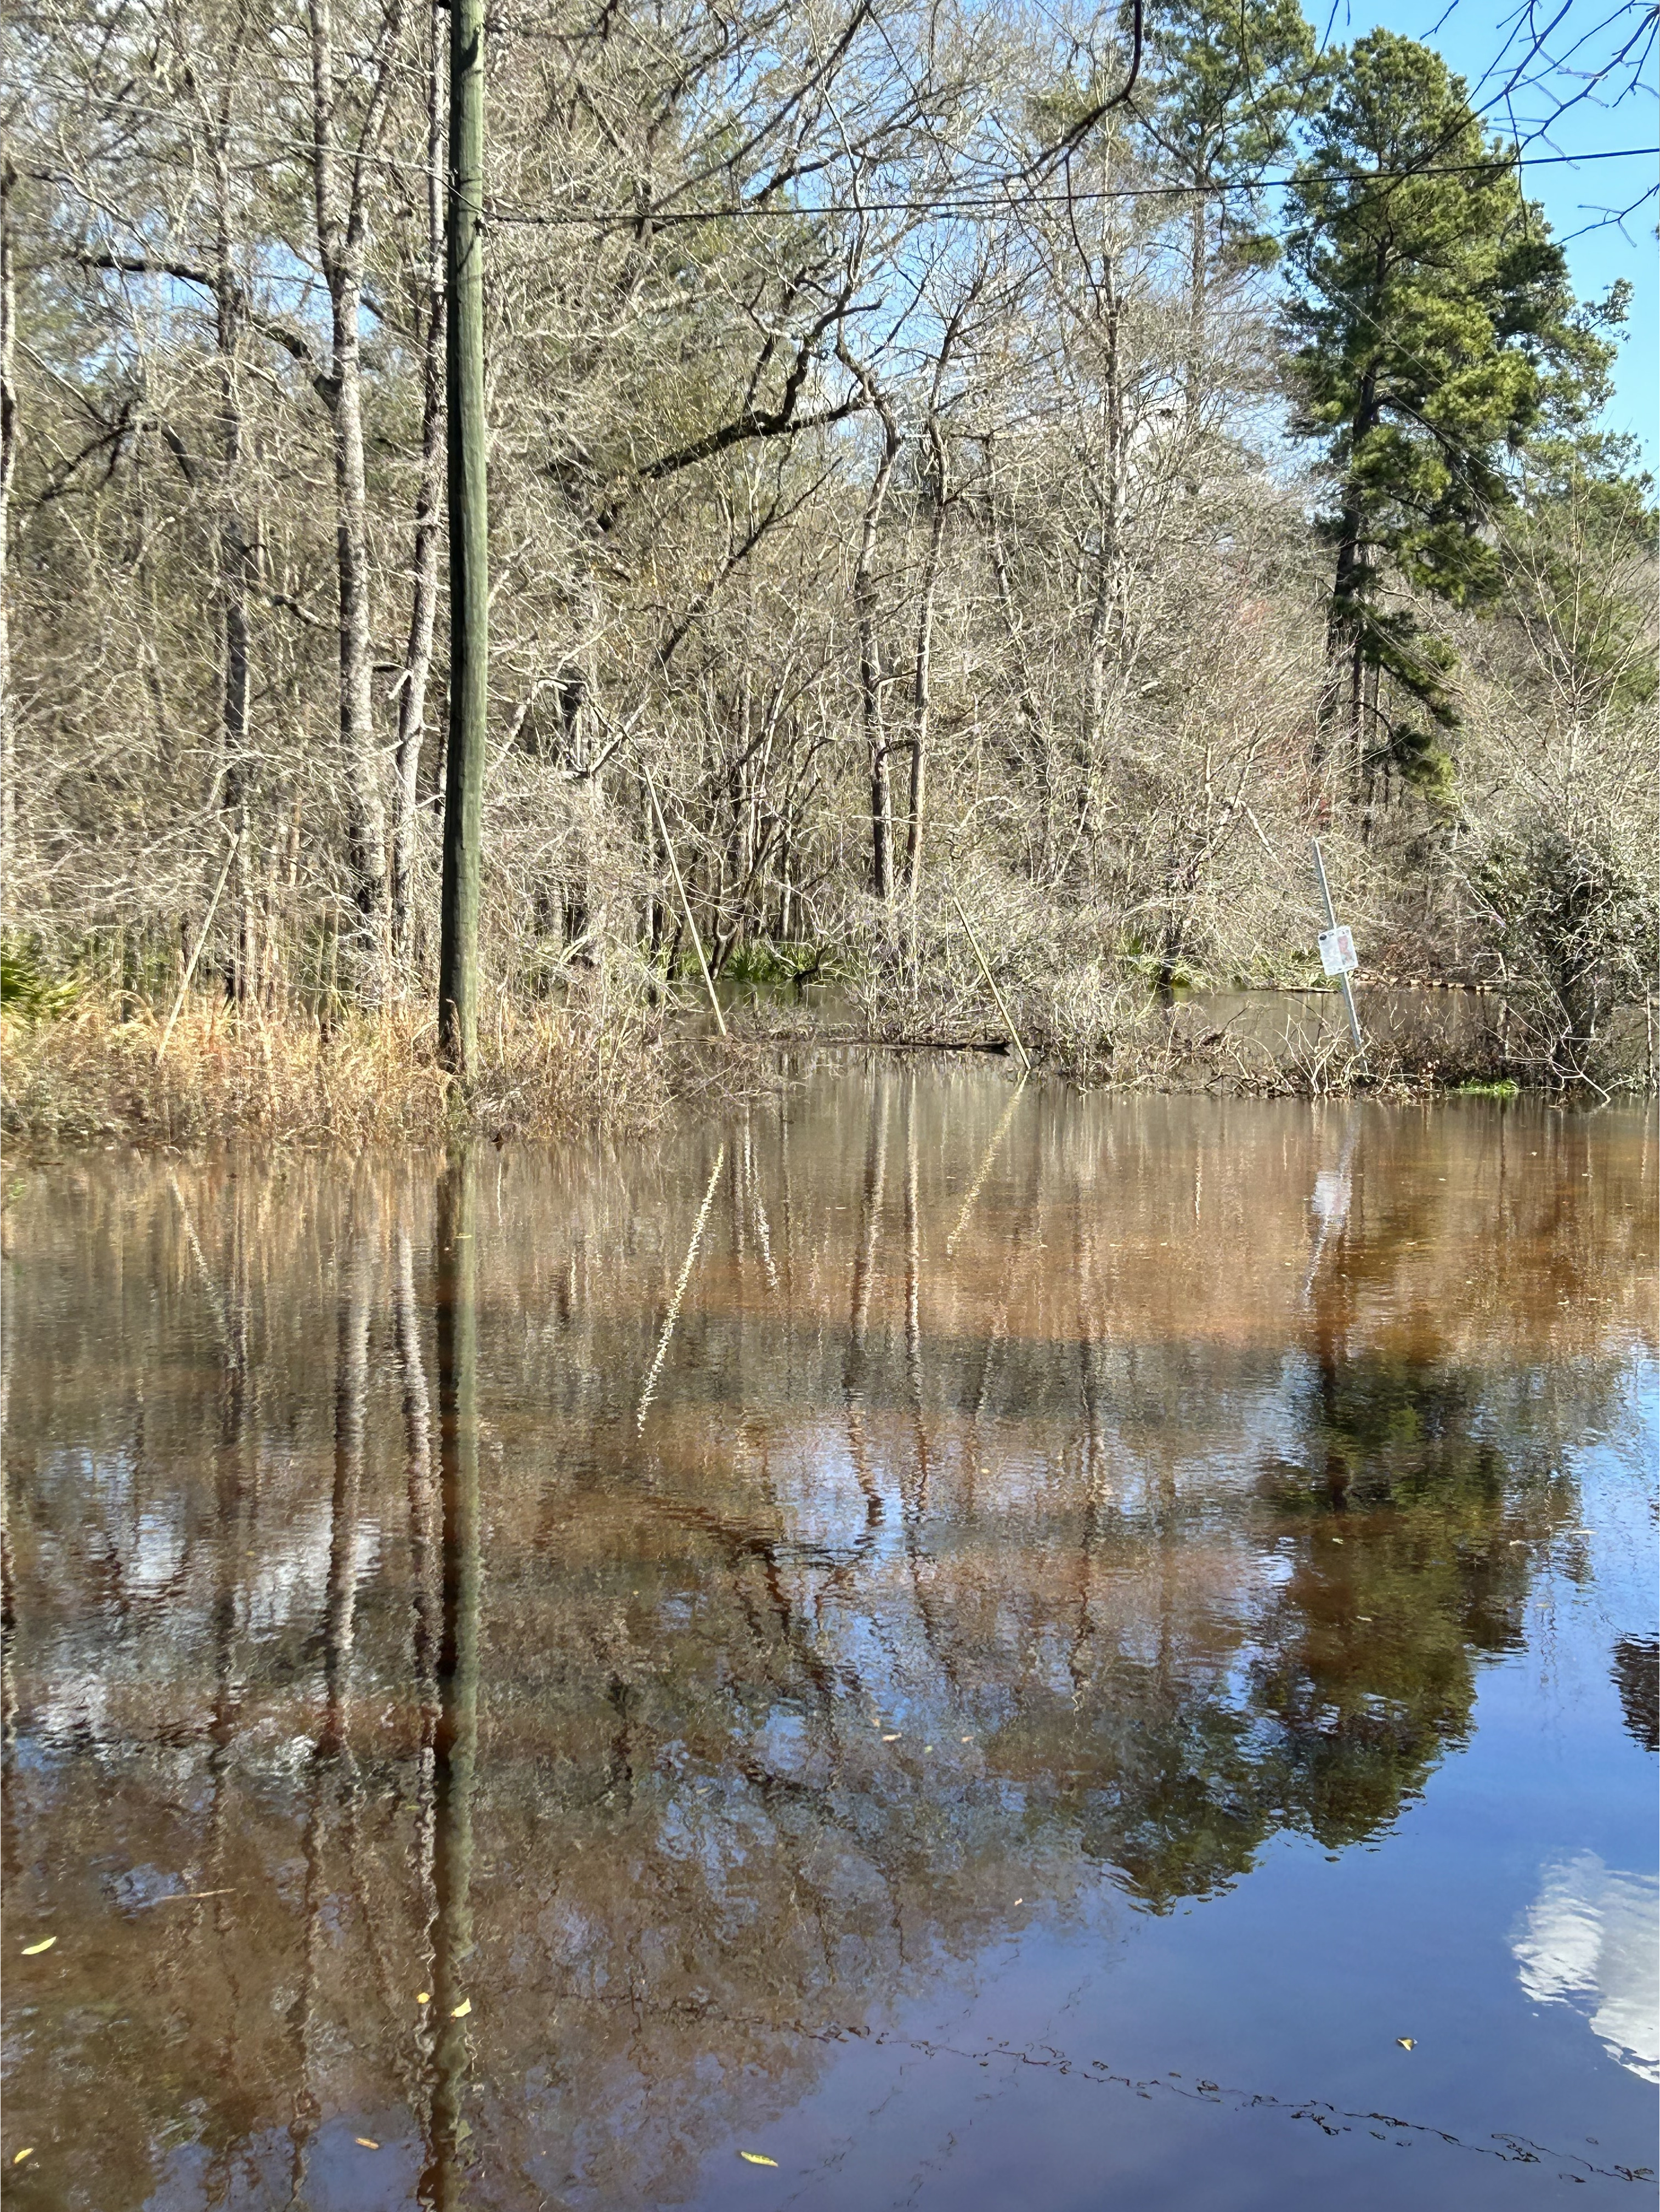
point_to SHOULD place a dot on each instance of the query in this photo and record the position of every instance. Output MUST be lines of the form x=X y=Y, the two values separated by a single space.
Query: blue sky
x=1471 y=34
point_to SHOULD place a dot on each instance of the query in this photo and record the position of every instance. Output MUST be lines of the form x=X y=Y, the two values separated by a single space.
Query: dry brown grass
x=90 y=1075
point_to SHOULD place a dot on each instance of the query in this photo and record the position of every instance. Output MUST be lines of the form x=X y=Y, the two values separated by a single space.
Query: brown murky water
x=984 y=1648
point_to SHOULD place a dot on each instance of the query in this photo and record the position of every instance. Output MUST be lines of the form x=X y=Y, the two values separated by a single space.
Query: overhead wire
x=987 y=199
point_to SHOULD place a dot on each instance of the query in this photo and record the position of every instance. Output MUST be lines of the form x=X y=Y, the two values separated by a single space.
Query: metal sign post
x=1337 y=953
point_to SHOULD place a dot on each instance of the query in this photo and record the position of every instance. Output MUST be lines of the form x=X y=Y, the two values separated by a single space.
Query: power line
x=986 y=201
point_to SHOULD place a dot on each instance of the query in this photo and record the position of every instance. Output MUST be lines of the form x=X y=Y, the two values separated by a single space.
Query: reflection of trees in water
x=1185 y=1572
x=1637 y=1677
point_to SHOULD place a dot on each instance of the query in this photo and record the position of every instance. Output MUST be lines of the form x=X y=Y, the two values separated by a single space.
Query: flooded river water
x=920 y=1643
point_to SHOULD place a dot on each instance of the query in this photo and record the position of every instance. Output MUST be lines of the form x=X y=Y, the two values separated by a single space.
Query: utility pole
x=464 y=763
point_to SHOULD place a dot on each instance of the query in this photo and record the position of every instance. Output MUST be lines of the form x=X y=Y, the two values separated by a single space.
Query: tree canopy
x=1435 y=332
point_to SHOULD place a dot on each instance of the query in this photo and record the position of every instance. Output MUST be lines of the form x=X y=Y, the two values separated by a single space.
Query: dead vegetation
x=97 y=1072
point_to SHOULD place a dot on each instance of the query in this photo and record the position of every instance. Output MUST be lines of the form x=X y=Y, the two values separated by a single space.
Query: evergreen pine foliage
x=1434 y=332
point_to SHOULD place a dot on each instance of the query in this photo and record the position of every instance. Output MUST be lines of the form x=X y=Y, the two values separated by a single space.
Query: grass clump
x=97 y=1074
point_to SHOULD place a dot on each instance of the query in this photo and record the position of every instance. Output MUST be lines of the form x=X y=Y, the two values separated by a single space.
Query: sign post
x=1337 y=953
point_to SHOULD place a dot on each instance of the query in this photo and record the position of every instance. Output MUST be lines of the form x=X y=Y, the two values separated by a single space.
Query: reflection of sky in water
x=1592 y=1940
x=1147 y=1626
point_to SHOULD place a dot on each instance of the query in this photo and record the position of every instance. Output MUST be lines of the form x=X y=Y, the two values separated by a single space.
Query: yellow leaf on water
x=756 y=2158
x=1407 y=2042
x=367 y=2141
x=462 y=2009
x=33 y=1950
x=22 y=2154
x=424 y=1997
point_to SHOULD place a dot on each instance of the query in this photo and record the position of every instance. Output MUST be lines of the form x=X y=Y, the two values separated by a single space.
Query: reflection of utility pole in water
x=455 y=1747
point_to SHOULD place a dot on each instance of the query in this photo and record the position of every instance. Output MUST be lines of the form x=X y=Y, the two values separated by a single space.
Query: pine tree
x=1226 y=82
x=1435 y=332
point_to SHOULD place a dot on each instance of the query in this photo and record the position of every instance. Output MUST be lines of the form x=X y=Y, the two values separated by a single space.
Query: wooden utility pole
x=464 y=764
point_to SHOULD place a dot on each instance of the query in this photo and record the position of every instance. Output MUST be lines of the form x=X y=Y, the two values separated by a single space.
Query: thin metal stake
x=991 y=985
x=685 y=903
x=200 y=939
x=1331 y=923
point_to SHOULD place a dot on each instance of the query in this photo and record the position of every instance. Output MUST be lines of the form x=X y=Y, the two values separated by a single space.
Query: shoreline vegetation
x=971 y=600
x=83 y=1066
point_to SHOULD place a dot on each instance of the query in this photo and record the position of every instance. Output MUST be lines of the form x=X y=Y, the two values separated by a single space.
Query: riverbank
x=1418 y=1039
x=99 y=1072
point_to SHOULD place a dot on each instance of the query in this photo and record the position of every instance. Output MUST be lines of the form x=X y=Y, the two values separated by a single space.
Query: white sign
x=1337 y=954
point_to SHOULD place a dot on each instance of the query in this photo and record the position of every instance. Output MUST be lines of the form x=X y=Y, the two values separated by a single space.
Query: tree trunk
x=871 y=680
x=8 y=433
x=1341 y=706
x=238 y=557
x=1196 y=301
x=1106 y=624
x=423 y=600
x=340 y=248
x=1041 y=764
x=922 y=696
x=463 y=767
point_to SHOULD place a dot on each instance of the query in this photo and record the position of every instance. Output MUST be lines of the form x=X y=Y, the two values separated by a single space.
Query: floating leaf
x=366 y=2142
x=424 y=1997
x=33 y=1950
x=462 y=2009
x=891 y=1739
x=756 y=2158
x=22 y=2154
x=1407 y=2042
